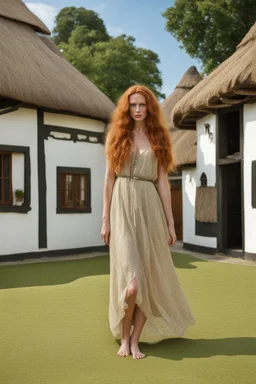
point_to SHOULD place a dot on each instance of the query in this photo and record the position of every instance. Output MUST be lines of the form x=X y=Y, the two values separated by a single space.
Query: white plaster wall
x=188 y=203
x=19 y=231
x=249 y=156
x=206 y=150
x=206 y=162
x=74 y=230
x=73 y=122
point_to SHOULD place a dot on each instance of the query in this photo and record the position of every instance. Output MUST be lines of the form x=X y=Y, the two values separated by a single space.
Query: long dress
x=139 y=248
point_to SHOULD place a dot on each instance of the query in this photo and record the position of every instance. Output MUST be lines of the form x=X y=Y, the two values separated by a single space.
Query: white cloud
x=115 y=31
x=45 y=12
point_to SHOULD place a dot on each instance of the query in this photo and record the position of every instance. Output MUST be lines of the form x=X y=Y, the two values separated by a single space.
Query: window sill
x=63 y=210
x=15 y=208
x=225 y=161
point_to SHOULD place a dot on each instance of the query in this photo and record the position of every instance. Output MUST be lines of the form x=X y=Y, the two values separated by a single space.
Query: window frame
x=2 y=178
x=253 y=182
x=73 y=171
x=25 y=207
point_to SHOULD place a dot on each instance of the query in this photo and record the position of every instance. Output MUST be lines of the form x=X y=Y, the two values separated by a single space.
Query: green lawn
x=54 y=327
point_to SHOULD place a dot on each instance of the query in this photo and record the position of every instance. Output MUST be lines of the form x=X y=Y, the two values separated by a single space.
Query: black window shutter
x=254 y=184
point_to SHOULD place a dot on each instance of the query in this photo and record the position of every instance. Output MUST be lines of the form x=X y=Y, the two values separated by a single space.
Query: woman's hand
x=172 y=238
x=105 y=231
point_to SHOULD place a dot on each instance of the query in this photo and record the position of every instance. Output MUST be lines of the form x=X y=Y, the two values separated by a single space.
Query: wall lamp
x=208 y=132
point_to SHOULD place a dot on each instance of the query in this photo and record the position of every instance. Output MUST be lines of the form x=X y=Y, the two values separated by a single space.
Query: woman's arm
x=165 y=195
x=107 y=196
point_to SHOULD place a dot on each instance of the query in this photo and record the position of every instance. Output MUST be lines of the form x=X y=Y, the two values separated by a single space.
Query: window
x=73 y=190
x=14 y=165
x=5 y=178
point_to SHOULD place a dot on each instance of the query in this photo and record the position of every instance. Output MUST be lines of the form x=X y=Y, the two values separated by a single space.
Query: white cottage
x=52 y=163
x=219 y=195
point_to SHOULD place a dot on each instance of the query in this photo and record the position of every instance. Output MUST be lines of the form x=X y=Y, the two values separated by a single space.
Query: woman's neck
x=139 y=126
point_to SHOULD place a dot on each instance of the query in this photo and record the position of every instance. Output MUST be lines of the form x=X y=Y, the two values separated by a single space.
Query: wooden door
x=177 y=210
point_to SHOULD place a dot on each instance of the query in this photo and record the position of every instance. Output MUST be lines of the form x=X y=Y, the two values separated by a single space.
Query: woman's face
x=138 y=107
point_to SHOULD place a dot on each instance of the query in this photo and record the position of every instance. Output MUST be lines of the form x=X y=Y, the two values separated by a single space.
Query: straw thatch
x=35 y=75
x=188 y=81
x=232 y=82
x=206 y=204
x=184 y=147
x=184 y=142
x=17 y=10
x=50 y=44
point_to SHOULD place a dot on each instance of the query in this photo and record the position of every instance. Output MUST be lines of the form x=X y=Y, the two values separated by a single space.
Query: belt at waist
x=136 y=178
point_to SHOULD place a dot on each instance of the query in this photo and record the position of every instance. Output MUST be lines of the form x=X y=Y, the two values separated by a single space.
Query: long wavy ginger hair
x=120 y=133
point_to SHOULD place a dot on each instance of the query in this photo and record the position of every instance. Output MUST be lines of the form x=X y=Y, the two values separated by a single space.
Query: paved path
x=178 y=248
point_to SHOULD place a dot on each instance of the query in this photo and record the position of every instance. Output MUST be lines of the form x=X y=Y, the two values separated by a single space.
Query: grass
x=54 y=327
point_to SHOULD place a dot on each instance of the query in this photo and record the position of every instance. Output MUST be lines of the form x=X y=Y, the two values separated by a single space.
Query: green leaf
x=210 y=30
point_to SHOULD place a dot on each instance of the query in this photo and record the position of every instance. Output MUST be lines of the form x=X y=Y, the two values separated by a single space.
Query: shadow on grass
x=66 y=271
x=51 y=273
x=181 y=260
x=178 y=349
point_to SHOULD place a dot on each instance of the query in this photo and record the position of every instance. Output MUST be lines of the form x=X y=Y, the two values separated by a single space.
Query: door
x=177 y=210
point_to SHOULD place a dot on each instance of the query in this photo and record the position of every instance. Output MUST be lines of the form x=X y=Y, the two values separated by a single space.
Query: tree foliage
x=70 y=18
x=210 y=30
x=111 y=63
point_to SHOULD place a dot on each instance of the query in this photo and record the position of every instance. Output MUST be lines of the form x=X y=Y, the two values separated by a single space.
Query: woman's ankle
x=125 y=340
x=134 y=340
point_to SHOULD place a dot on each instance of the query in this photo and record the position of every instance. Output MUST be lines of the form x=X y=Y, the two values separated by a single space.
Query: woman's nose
x=137 y=107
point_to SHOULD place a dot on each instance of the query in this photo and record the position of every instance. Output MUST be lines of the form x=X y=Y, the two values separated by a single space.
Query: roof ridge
x=18 y=11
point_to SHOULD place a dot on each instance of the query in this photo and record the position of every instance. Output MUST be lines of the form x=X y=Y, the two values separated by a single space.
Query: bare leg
x=139 y=321
x=127 y=320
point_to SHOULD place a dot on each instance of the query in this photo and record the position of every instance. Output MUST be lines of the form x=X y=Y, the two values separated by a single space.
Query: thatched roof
x=232 y=82
x=50 y=44
x=32 y=73
x=188 y=81
x=17 y=10
x=184 y=142
x=184 y=147
x=206 y=204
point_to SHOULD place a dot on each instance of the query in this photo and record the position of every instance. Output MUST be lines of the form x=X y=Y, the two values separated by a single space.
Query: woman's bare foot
x=124 y=349
x=136 y=353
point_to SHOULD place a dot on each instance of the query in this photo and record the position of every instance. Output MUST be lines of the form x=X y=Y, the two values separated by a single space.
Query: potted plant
x=19 y=195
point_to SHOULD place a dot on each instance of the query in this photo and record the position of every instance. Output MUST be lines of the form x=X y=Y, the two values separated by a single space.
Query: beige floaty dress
x=139 y=248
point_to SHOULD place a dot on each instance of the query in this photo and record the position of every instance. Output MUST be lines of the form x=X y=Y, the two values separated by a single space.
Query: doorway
x=229 y=182
x=176 y=192
x=176 y=195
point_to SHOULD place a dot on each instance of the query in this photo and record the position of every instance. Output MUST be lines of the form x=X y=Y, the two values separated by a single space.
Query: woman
x=147 y=302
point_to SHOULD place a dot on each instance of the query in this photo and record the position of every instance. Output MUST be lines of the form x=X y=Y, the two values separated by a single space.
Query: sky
x=141 y=19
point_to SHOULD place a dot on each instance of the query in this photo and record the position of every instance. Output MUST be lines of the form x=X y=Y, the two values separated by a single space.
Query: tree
x=70 y=18
x=210 y=30
x=112 y=64
x=115 y=65
x=82 y=36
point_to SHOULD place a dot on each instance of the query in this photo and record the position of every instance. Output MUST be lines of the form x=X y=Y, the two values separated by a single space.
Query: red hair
x=119 y=136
